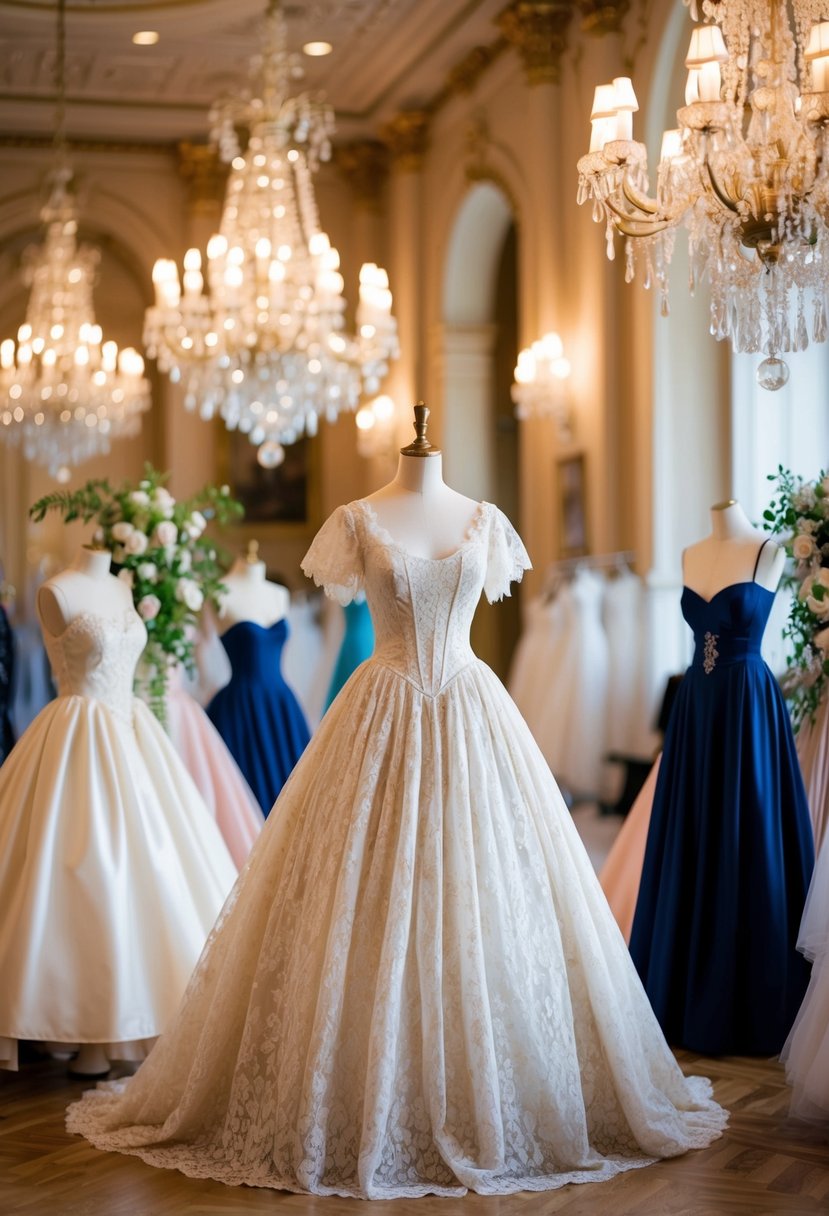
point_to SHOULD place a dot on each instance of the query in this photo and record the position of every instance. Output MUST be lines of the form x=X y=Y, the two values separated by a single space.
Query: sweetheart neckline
x=745 y=582
x=471 y=532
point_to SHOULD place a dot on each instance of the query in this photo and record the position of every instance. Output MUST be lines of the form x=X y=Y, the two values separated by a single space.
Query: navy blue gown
x=257 y=713
x=729 y=853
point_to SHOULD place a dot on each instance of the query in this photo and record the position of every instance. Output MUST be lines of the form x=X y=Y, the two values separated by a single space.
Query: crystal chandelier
x=266 y=346
x=539 y=388
x=64 y=393
x=746 y=172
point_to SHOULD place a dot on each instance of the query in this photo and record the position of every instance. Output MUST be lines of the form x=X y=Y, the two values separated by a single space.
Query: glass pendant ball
x=772 y=373
x=271 y=454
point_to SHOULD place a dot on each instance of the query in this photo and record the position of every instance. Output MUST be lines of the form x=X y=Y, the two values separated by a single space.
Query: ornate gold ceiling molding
x=407 y=138
x=603 y=16
x=538 y=31
x=364 y=163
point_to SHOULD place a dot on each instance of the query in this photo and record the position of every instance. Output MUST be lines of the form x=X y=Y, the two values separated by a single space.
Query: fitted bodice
x=255 y=651
x=729 y=627
x=96 y=656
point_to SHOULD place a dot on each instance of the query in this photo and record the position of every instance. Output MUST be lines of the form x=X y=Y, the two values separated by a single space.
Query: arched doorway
x=479 y=343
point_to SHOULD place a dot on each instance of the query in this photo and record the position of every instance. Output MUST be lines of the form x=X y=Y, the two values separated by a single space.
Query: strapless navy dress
x=257 y=713
x=729 y=853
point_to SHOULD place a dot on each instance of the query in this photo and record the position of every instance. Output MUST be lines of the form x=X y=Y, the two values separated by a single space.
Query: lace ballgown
x=356 y=647
x=257 y=713
x=729 y=852
x=417 y=986
x=806 y=1052
x=112 y=871
x=214 y=771
x=6 y=674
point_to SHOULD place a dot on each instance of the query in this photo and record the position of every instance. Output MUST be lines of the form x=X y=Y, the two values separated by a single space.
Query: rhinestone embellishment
x=710 y=654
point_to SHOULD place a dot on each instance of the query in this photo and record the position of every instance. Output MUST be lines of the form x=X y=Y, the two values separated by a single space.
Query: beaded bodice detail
x=729 y=627
x=421 y=608
x=96 y=657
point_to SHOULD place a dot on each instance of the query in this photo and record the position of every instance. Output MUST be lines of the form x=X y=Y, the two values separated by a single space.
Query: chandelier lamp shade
x=746 y=172
x=65 y=393
x=256 y=332
x=540 y=378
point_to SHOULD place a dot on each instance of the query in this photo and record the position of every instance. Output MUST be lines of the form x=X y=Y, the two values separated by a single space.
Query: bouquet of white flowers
x=160 y=550
x=798 y=516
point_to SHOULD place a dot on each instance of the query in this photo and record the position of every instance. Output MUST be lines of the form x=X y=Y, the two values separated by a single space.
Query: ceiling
x=388 y=55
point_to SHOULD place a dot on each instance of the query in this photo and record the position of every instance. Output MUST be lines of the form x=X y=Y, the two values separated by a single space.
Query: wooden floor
x=763 y=1165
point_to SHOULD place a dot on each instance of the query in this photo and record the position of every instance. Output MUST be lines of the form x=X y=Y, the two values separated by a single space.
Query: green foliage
x=161 y=550
x=798 y=517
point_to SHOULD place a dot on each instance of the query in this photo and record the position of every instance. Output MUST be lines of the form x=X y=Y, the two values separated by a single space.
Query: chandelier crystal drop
x=263 y=341
x=64 y=392
x=746 y=172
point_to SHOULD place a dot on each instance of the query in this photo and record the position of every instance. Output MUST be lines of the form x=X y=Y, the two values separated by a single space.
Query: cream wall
x=649 y=397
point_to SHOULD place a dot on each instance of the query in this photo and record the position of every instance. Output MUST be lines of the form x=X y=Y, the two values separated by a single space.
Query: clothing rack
x=567 y=566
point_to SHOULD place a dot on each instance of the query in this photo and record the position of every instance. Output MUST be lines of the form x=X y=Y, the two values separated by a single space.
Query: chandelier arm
x=631 y=225
x=637 y=198
x=720 y=193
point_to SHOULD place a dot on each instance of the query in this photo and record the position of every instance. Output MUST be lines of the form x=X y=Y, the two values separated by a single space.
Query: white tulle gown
x=112 y=871
x=417 y=986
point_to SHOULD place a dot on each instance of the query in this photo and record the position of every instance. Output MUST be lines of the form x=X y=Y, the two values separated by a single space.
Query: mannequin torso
x=419 y=511
x=85 y=585
x=730 y=553
x=251 y=597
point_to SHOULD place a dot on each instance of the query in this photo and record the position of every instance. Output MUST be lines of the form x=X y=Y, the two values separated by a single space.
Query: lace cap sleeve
x=334 y=560
x=507 y=558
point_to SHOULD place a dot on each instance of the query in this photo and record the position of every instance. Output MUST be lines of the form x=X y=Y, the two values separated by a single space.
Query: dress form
x=250 y=596
x=730 y=554
x=417 y=508
x=85 y=585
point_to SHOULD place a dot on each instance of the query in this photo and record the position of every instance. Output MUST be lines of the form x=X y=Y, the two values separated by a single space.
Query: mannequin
x=250 y=596
x=417 y=508
x=86 y=584
x=729 y=554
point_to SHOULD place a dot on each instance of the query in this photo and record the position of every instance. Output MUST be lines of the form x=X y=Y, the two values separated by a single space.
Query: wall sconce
x=375 y=428
x=540 y=388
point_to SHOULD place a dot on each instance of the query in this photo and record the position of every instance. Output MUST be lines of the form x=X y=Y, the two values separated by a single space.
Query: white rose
x=136 y=544
x=819 y=607
x=126 y=577
x=809 y=526
x=804 y=499
x=148 y=571
x=149 y=607
x=122 y=530
x=197 y=520
x=166 y=533
x=185 y=561
x=803 y=547
x=140 y=497
x=189 y=593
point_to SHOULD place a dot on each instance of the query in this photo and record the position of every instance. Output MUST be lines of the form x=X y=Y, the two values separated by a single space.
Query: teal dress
x=357 y=645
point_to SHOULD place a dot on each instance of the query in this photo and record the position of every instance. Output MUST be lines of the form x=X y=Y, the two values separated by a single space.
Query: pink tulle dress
x=214 y=771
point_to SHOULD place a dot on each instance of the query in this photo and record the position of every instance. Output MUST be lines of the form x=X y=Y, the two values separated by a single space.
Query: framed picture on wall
x=572 y=493
x=270 y=496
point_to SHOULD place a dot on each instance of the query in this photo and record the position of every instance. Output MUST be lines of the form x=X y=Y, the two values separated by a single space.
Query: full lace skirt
x=417 y=986
x=112 y=874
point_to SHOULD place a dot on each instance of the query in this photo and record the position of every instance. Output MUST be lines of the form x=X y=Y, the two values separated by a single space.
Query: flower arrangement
x=160 y=550
x=798 y=516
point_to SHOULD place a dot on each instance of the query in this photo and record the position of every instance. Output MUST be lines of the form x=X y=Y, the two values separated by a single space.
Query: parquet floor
x=763 y=1166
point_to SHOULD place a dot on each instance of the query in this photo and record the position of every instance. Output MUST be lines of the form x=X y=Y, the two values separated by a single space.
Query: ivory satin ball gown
x=112 y=871
x=417 y=986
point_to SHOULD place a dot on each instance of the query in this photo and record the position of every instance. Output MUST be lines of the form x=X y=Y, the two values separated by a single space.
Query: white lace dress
x=112 y=871
x=417 y=986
